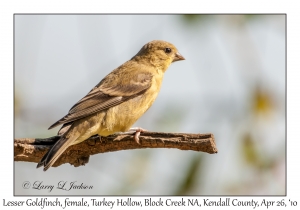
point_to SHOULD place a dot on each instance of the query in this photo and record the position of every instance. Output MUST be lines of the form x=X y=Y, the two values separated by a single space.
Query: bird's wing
x=105 y=95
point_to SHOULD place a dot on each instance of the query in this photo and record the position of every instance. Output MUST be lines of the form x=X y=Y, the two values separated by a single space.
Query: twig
x=32 y=150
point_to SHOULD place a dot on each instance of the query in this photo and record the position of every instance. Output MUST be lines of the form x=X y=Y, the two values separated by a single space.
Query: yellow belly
x=120 y=118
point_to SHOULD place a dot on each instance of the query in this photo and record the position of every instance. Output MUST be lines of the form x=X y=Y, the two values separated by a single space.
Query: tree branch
x=32 y=150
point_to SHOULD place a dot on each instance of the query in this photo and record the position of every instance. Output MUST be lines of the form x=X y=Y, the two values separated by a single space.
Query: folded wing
x=108 y=94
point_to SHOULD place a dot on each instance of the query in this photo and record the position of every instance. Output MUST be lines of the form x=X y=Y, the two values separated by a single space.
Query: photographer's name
x=62 y=185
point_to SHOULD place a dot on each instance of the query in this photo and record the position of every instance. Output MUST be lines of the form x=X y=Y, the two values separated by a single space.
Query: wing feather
x=105 y=95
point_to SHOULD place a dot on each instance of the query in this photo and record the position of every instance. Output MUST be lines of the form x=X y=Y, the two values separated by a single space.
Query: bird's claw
x=137 y=134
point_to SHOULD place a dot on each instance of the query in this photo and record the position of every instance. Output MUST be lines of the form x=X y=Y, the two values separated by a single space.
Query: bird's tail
x=54 y=153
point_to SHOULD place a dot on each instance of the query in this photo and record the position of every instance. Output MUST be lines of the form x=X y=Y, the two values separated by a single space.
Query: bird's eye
x=168 y=50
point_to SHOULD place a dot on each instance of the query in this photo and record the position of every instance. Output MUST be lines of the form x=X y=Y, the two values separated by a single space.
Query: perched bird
x=118 y=101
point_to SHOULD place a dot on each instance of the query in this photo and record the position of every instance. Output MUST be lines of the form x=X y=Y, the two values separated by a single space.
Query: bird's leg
x=136 y=130
x=96 y=137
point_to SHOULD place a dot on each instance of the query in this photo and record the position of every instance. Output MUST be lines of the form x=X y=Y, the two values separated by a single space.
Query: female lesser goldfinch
x=118 y=101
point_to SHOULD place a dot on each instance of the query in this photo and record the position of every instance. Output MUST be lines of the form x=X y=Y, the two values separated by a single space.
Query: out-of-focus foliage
x=194 y=19
x=17 y=104
x=262 y=102
x=252 y=156
x=192 y=174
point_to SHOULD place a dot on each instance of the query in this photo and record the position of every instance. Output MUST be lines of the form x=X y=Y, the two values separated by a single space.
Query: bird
x=117 y=101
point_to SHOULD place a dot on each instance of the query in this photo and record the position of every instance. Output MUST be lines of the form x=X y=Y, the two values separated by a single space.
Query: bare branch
x=32 y=150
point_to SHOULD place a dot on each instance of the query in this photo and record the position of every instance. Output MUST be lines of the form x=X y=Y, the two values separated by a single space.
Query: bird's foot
x=137 y=131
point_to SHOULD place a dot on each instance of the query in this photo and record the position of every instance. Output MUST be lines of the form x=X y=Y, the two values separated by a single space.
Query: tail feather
x=54 y=153
x=42 y=161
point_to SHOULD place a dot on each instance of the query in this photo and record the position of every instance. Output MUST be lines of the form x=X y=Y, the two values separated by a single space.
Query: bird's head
x=159 y=54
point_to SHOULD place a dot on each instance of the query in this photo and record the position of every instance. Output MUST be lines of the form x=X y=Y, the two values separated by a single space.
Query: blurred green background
x=231 y=84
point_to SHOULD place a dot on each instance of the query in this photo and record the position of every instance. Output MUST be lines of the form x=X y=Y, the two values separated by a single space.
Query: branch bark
x=32 y=150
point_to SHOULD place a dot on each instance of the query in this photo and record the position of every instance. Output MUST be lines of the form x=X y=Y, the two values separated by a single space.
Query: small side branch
x=32 y=150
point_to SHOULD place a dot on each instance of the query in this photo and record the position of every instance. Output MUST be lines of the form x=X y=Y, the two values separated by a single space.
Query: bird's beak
x=178 y=57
